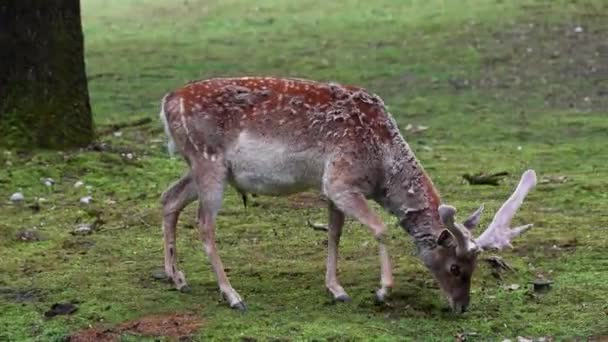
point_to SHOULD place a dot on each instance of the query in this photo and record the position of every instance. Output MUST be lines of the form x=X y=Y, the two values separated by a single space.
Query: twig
x=481 y=178
x=379 y=328
x=144 y=222
x=115 y=127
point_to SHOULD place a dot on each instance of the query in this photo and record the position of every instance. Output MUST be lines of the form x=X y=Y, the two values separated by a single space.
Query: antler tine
x=461 y=235
x=499 y=234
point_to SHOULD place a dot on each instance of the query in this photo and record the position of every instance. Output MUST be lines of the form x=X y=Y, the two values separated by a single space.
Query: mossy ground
x=502 y=85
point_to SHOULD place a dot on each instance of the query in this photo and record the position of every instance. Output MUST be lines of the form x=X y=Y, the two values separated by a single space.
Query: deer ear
x=444 y=238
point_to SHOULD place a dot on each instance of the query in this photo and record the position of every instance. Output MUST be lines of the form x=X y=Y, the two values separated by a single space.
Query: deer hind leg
x=210 y=177
x=334 y=230
x=174 y=200
x=354 y=204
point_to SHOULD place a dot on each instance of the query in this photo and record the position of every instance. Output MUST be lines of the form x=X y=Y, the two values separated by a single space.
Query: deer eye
x=455 y=270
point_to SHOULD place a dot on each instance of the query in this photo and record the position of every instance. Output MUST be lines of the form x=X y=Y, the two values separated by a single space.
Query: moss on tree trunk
x=44 y=99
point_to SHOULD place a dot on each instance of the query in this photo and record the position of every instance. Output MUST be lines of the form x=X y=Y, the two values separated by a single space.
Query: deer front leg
x=211 y=187
x=355 y=205
x=334 y=231
x=174 y=200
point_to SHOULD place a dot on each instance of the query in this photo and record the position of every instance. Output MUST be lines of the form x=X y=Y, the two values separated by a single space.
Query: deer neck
x=411 y=196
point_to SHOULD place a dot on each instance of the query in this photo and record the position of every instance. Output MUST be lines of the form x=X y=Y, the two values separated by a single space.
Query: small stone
x=118 y=134
x=86 y=199
x=542 y=285
x=83 y=229
x=78 y=184
x=159 y=274
x=129 y=156
x=17 y=197
x=48 y=181
x=578 y=29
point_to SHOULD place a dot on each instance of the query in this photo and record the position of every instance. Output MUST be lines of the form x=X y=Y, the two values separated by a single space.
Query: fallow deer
x=276 y=136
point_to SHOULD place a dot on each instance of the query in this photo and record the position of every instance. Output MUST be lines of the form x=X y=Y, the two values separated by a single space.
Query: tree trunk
x=44 y=99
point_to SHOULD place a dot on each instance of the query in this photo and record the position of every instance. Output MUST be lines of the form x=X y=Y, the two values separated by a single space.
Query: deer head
x=454 y=260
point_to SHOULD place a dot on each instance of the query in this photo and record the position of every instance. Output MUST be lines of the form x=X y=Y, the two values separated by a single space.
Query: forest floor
x=500 y=86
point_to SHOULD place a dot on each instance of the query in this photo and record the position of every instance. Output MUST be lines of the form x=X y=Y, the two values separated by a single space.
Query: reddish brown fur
x=293 y=107
x=432 y=195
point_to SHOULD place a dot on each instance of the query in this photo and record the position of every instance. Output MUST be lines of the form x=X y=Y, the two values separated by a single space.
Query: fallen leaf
x=61 y=309
x=415 y=128
x=557 y=179
x=512 y=287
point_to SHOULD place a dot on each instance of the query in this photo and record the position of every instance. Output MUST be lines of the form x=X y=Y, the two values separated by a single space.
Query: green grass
x=503 y=85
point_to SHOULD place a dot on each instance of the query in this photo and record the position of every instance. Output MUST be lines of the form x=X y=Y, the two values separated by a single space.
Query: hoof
x=185 y=289
x=381 y=237
x=343 y=298
x=240 y=306
x=380 y=297
x=382 y=294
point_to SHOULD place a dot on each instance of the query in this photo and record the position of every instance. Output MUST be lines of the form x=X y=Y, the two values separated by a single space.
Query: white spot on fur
x=183 y=119
x=163 y=118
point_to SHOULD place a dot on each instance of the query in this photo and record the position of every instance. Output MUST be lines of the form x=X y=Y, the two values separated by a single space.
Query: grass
x=503 y=85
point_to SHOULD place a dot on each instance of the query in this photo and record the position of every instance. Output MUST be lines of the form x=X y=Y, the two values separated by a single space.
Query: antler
x=460 y=233
x=499 y=234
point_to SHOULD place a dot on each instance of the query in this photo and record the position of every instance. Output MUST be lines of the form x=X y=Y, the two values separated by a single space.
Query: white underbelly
x=268 y=167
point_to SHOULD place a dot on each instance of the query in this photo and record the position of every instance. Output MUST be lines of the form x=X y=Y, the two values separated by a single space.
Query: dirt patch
x=564 y=62
x=171 y=326
x=21 y=295
x=28 y=235
x=305 y=200
x=550 y=248
x=95 y=334
x=561 y=63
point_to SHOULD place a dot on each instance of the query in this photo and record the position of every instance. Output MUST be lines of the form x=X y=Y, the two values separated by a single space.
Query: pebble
x=48 y=181
x=83 y=229
x=17 y=197
x=86 y=199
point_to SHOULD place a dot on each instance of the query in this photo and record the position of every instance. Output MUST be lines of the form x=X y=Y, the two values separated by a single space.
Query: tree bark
x=44 y=98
